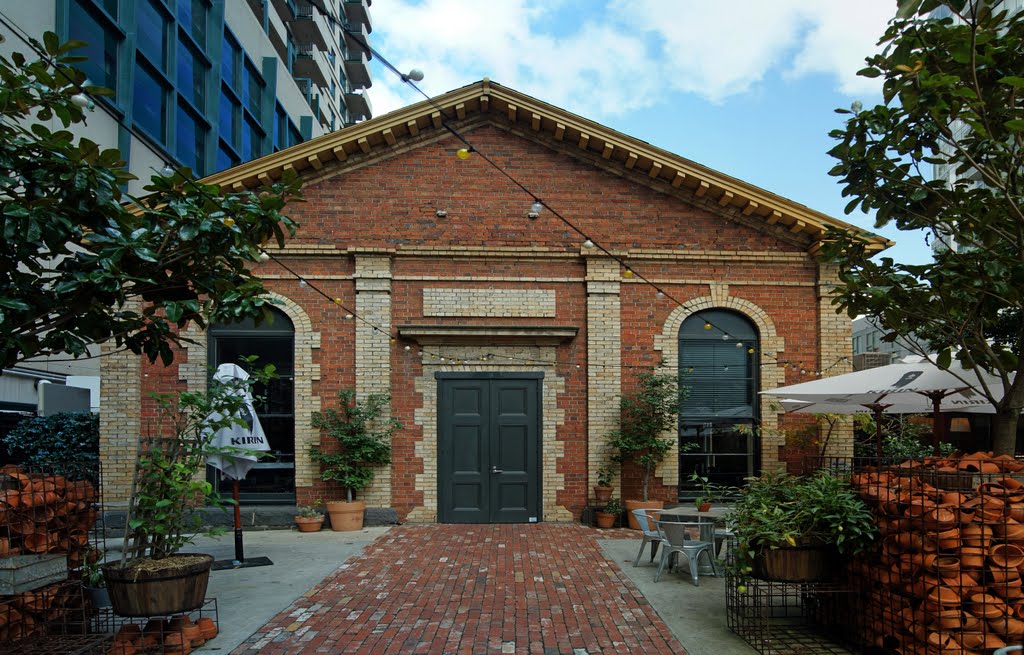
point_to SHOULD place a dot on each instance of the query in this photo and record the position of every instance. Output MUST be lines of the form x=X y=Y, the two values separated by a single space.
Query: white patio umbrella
x=914 y=385
x=244 y=439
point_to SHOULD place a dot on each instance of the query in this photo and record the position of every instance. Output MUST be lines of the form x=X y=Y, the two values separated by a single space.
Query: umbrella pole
x=936 y=422
x=239 y=550
x=878 y=431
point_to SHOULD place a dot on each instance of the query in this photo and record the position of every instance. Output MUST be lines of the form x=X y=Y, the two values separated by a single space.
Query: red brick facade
x=428 y=226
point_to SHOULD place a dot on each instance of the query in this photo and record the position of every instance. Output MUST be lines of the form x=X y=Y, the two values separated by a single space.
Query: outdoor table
x=714 y=517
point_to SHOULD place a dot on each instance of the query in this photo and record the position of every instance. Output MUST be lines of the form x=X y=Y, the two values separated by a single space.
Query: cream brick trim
x=835 y=344
x=552 y=449
x=194 y=374
x=772 y=373
x=489 y=302
x=604 y=345
x=373 y=351
x=120 y=420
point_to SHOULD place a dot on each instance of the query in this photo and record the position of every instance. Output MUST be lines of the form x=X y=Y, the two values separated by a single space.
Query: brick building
x=504 y=337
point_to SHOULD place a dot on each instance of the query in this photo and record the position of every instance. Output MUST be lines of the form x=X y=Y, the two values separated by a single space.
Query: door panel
x=488 y=431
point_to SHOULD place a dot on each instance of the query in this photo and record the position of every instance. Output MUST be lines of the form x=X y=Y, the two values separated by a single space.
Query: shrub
x=68 y=437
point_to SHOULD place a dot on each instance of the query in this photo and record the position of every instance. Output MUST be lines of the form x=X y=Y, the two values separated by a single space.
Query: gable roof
x=380 y=134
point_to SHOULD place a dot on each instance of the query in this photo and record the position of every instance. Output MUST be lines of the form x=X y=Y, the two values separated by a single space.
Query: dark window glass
x=252 y=90
x=294 y=136
x=110 y=6
x=228 y=62
x=191 y=75
x=192 y=16
x=191 y=139
x=228 y=118
x=280 y=129
x=225 y=158
x=151 y=25
x=149 y=107
x=101 y=41
x=252 y=140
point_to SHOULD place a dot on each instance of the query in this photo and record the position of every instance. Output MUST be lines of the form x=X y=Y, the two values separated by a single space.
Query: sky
x=746 y=87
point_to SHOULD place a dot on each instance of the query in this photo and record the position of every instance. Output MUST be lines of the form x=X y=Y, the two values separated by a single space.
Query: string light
x=627 y=273
x=462 y=153
x=264 y=256
x=707 y=326
x=303 y=283
x=588 y=244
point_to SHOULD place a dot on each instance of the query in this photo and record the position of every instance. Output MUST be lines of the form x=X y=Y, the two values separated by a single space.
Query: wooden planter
x=796 y=563
x=176 y=588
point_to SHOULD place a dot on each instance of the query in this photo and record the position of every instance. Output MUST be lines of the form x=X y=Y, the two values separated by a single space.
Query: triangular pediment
x=488 y=101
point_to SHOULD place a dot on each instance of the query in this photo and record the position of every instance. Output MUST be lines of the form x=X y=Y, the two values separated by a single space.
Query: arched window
x=718 y=367
x=273 y=342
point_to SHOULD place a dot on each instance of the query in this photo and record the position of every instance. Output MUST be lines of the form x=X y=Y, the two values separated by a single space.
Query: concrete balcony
x=357 y=69
x=307 y=26
x=358 y=105
x=358 y=12
x=353 y=35
x=307 y=64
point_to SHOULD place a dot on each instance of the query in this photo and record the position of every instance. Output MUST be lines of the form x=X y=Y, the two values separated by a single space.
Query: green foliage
x=362 y=437
x=776 y=510
x=711 y=492
x=953 y=97
x=311 y=511
x=84 y=263
x=613 y=506
x=61 y=442
x=645 y=415
x=170 y=481
x=604 y=477
x=92 y=574
x=901 y=440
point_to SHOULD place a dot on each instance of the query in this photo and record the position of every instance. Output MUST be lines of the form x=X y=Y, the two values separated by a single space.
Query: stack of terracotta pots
x=945 y=577
x=27 y=614
x=177 y=636
x=45 y=514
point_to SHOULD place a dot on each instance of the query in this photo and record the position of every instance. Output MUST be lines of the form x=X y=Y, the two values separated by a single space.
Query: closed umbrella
x=914 y=385
x=239 y=446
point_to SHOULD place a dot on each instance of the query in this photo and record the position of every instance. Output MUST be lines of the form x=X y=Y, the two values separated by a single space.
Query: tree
x=81 y=262
x=953 y=98
x=645 y=415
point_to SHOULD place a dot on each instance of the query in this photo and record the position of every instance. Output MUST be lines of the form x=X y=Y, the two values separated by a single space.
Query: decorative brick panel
x=604 y=349
x=120 y=420
x=836 y=349
x=489 y=302
x=373 y=351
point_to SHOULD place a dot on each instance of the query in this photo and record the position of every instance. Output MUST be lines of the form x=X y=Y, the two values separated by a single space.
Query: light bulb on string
x=725 y=337
x=415 y=75
x=660 y=294
x=750 y=351
x=303 y=283
x=349 y=317
x=337 y=301
x=80 y=100
x=167 y=170
x=536 y=206
x=408 y=348
x=739 y=344
x=588 y=244
x=707 y=326
x=264 y=257
x=627 y=273
x=462 y=153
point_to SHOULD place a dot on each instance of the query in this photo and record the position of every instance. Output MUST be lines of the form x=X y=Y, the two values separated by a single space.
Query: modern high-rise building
x=207 y=84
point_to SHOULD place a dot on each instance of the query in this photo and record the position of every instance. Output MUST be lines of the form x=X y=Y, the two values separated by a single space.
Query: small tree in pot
x=646 y=416
x=362 y=436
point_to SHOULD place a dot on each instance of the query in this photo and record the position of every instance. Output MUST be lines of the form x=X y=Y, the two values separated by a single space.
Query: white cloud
x=606 y=60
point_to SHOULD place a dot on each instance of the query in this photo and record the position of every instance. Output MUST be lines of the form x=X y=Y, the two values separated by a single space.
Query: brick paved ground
x=472 y=590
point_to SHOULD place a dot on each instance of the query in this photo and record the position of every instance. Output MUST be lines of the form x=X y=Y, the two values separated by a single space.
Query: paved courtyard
x=471 y=590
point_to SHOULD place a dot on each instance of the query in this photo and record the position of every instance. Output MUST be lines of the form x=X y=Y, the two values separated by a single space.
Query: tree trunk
x=647 y=476
x=1004 y=432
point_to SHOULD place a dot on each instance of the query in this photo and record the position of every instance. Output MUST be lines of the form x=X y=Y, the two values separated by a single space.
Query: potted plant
x=710 y=492
x=794 y=528
x=310 y=518
x=603 y=490
x=92 y=579
x=647 y=418
x=361 y=441
x=152 y=577
x=607 y=516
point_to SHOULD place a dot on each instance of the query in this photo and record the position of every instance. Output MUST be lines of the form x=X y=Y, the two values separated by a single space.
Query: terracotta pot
x=972 y=557
x=981 y=640
x=605 y=520
x=976 y=535
x=940 y=519
x=603 y=494
x=1009 y=530
x=309 y=523
x=987 y=606
x=640 y=504
x=948 y=540
x=945 y=566
x=944 y=596
x=1007 y=627
x=207 y=627
x=345 y=516
x=704 y=507
x=1006 y=555
x=194 y=635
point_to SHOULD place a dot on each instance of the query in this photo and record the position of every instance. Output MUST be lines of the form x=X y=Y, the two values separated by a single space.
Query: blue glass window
x=280 y=128
x=228 y=118
x=294 y=136
x=225 y=158
x=229 y=61
x=192 y=16
x=191 y=136
x=151 y=25
x=252 y=140
x=252 y=90
x=149 y=107
x=101 y=39
x=191 y=75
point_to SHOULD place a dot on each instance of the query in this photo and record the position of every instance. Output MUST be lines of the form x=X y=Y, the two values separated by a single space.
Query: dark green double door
x=488 y=443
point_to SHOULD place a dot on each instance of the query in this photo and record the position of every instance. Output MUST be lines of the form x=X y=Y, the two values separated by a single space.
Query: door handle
x=495 y=469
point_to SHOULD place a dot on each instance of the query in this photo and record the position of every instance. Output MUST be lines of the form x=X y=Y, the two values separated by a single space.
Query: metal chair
x=651 y=534
x=675 y=538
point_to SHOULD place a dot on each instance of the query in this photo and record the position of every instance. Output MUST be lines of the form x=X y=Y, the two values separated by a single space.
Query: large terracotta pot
x=345 y=516
x=606 y=520
x=603 y=494
x=640 y=504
